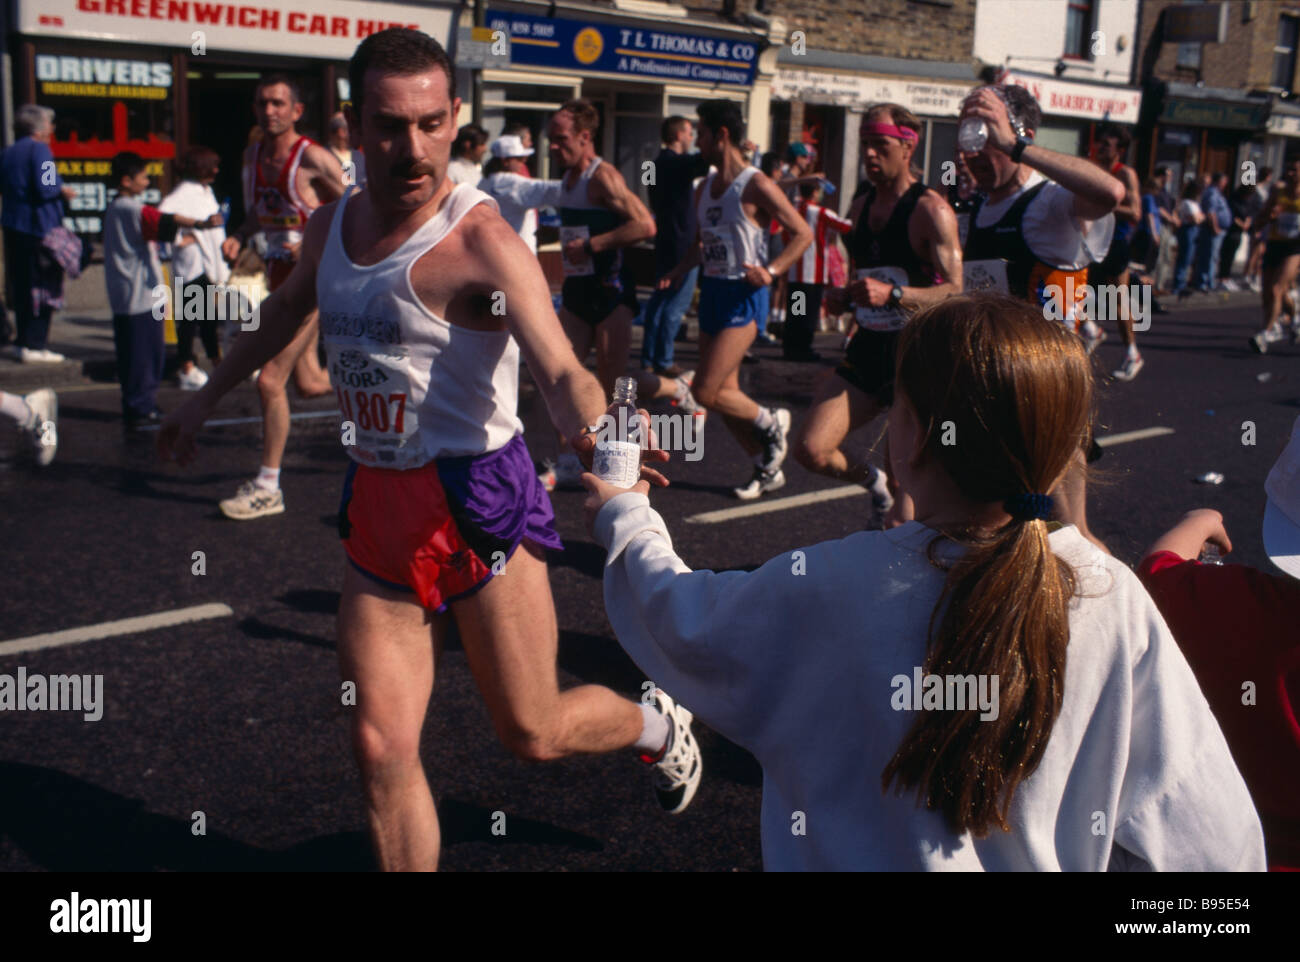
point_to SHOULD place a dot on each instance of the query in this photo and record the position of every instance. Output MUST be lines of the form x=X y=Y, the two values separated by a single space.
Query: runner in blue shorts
x=733 y=207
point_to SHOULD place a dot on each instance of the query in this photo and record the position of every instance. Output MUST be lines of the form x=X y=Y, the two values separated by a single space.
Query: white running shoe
x=30 y=356
x=44 y=434
x=193 y=379
x=761 y=483
x=1092 y=336
x=881 y=499
x=687 y=403
x=1274 y=334
x=1259 y=342
x=677 y=772
x=253 y=502
x=774 y=438
x=1130 y=369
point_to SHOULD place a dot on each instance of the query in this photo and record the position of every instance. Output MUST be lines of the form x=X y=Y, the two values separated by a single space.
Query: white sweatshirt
x=801 y=670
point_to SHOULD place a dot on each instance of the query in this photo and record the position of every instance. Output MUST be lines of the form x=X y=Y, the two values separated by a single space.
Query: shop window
x=1078 y=29
x=1285 y=51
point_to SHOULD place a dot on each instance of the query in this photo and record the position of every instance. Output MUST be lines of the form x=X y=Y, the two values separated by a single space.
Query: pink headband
x=889 y=130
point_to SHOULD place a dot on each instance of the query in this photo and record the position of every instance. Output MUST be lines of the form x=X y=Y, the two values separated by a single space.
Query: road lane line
x=222 y=422
x=777 y=504
x=1128 y=436
x=108 y=629
x=850 y=490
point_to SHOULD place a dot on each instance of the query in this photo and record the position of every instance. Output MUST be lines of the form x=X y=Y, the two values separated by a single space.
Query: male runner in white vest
x=286 y=176
x=441 y=490
x=734 y=207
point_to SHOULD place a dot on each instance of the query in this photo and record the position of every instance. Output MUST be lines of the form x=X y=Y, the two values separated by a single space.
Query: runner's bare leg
x=388 y=646
x=510 y=636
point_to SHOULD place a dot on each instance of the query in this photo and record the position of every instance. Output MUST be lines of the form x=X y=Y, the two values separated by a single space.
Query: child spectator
x=808 y=276
x=131 y=274
x=1090 y=747
x=1237 y=625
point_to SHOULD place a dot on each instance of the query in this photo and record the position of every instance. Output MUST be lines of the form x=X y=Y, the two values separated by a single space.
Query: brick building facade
x=1215 y=106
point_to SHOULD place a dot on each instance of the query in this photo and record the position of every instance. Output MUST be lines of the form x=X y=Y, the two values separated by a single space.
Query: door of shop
x=221 y=116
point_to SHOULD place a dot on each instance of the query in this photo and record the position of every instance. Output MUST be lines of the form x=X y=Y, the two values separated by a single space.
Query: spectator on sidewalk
x=506 y=180
x=1241 y=205
x=808 y=276
x=132 y=274
x=1190 y=218
x=1235 y=625
x=467 y=153
x=1209 y=240
x=33 y=194
x=1163 y=267
x=197 y=264
x=676 y=170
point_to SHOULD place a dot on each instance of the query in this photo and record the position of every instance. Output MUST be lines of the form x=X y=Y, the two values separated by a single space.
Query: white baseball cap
x=1282 y=515
x=510 y=145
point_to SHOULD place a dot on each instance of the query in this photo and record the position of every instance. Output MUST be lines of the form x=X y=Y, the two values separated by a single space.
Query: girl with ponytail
x=976 y=689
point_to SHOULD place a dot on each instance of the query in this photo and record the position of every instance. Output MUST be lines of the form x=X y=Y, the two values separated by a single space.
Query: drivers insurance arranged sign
x=327 y=29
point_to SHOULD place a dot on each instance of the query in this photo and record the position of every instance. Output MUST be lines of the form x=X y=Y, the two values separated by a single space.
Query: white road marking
x=850 y=490
x=222 y=422
x=777 y=504
x=1128 y=436
x=107 y=629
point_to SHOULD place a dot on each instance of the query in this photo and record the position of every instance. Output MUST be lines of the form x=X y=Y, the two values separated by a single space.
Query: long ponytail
x=1017 y=390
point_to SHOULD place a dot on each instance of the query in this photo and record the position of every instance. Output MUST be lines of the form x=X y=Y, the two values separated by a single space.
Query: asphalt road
x=240 y=717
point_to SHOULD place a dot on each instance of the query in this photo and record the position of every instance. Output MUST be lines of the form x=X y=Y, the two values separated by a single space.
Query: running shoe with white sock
x=881 y=499
x=252 y=501
x=1132 y=364
x=43 y=434
x=773 y=440
x=762 y=482
x=193 y=379
x=547 y=475
x=678 y=768
x=684 y=399
x=1092 y=336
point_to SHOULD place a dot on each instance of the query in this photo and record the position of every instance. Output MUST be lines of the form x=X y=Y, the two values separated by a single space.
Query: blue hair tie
x=1029 y=507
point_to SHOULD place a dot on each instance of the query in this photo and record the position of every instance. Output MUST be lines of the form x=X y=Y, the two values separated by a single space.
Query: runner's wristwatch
x=1021 y=143
x=895 y=296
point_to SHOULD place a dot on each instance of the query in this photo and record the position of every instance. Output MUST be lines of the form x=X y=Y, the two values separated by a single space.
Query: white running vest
x=413 y=386
x=728 y=238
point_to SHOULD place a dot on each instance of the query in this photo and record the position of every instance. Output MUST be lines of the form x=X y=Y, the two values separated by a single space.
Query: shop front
x=1072 y=111
x=159 y=77
x=1202 y=130
x=633 y=71
x=824 y=109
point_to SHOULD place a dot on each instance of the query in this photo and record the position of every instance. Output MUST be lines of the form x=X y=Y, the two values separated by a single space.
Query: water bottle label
x=617 y=463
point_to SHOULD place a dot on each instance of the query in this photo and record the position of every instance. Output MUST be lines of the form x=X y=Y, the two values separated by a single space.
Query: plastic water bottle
x=972 y=135
x=617 y=460
x=1210 y=555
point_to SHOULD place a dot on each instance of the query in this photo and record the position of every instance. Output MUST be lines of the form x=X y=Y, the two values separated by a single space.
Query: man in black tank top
x=906 y=235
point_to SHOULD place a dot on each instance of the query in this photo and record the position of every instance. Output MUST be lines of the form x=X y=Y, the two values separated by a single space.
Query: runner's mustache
x=412 y=170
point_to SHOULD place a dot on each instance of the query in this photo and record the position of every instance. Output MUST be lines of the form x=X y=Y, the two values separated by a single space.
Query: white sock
x=268 y=479
x=682 y=390
x=1133 y=351
x=13 y=406
x=765 y=419
x=654 y=730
